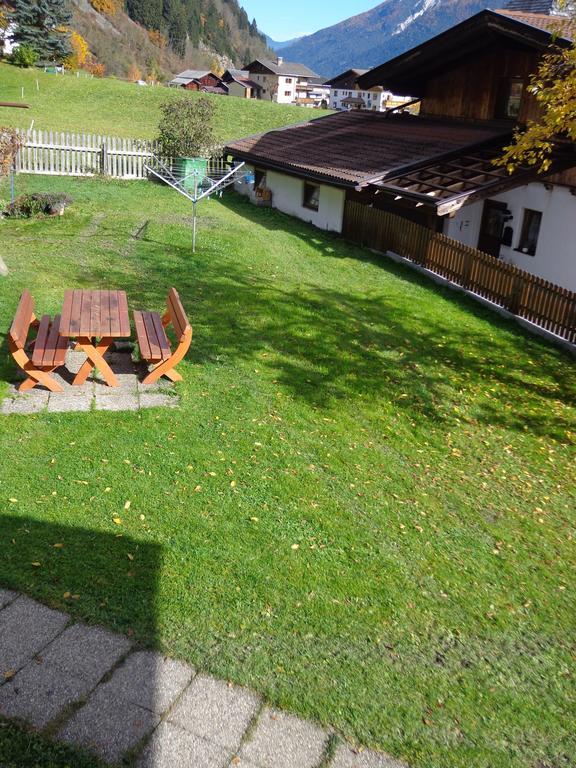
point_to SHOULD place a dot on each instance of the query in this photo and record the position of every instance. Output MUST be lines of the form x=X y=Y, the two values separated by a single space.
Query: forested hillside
x=161 y=37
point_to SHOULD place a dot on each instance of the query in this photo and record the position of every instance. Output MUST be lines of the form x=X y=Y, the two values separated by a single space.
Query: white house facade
x=280 y=81
x=541 y=223
x=317 y=203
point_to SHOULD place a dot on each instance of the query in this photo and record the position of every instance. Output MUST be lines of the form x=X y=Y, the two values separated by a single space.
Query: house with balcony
x=281 y=81
x=346 y=94
x=312 y=92
x=437 y=168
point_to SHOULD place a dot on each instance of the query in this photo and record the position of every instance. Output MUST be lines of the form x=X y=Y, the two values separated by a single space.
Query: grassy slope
x=416 y=448
x=118 y=108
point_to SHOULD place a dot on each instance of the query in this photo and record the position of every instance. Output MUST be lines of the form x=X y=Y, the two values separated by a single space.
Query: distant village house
x=283 y=81
x=346 y=94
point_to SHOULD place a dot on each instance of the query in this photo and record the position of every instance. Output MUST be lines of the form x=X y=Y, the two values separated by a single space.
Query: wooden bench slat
x=66 y=311
x=56 y=346
x=155 y=350
x=95 y=313
x=177 y=314
x=163 y=342
x=105 y=313
x=114 y=314
x=75 y=312
x=22 y=319
x=41 y=339
x=85 y=313
x=124 y=314
x=142 y=336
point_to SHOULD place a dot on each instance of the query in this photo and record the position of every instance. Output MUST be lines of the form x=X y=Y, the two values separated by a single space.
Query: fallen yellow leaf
x=117 y=520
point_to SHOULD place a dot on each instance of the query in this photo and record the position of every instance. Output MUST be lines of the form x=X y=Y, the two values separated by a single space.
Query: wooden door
x=494 y=216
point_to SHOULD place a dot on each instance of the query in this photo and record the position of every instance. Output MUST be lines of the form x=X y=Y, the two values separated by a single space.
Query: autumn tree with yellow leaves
x=554 y=88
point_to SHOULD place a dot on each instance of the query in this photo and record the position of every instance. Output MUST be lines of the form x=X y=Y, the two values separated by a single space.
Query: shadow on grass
x=111 y=588
x=101 y=579
x=325 y=345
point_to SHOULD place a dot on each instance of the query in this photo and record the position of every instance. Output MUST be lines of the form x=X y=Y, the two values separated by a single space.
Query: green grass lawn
x=364 y=508
x=117 y=108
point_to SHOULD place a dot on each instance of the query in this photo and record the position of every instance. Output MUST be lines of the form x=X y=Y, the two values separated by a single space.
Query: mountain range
x=370 y=38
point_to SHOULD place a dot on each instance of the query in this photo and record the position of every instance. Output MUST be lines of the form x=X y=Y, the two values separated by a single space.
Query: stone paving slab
x=158 y=400
x=216 y=711
x=24 y=403
x=26 y=627
x=52 y=670
x=39 y=692
x=108 y=725
x=130 y=395
x=280 y=740
x=348 y=757
x=173 y=747
x=127 y=383
x=150 y=680
x=119 y=402
x=87 y=652
x=7 y=597
x=60 y=402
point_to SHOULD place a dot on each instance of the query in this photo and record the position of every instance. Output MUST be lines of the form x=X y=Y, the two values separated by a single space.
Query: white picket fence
x=58 y=153
x=83 y=154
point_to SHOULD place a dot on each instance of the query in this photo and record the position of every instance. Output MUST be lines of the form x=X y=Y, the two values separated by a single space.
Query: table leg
x=95 y=354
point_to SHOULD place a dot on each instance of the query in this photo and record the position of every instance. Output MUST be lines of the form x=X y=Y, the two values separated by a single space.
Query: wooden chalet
x=437 y=168
x=200 y=80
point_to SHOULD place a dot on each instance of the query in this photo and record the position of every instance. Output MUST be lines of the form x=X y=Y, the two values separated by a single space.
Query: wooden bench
x=153 y=342
x=48 y=348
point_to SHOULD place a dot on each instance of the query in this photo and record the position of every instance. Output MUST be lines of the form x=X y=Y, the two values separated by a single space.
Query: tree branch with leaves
x=10 y=143
x=554 y=88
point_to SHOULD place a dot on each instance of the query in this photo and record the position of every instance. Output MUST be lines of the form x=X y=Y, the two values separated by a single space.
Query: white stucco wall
x=288 y=194
x=555 y=257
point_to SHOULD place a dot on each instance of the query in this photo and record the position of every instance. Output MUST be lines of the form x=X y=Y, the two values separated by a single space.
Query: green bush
x=27 y=206
x=24 y=56
x=186 y=128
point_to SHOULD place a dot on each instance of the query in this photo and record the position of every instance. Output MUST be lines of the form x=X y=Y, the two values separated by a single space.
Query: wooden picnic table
x=95 y=319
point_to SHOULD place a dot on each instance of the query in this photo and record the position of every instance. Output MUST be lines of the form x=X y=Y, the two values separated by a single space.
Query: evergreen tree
x=178 y=28
x=146 y=12
x=43 y=25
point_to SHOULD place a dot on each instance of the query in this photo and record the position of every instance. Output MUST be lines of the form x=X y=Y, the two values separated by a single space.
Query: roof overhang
x=409 y=72
x=444 y=186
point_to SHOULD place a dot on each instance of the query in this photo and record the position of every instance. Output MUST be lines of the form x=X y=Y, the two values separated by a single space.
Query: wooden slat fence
x=545 y=304
x=59 y=153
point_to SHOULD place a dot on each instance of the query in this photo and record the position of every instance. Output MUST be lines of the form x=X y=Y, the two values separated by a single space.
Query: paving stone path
x=131 y=395
x=91 y=688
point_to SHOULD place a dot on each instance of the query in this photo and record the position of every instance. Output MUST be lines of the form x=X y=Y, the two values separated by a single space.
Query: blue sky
x=283 y=21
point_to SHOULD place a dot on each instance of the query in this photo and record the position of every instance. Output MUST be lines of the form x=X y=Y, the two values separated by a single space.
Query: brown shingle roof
x=352 y=148
x=559 y=25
